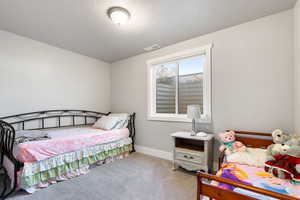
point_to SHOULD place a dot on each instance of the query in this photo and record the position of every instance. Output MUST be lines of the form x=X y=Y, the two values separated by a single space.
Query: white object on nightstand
x=201 y=134
x=192 y=153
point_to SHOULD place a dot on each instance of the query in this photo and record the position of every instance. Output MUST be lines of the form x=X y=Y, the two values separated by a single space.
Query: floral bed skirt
x=41 y=174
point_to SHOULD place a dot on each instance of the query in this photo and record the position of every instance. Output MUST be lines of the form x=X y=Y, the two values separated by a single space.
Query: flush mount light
x=118 y=15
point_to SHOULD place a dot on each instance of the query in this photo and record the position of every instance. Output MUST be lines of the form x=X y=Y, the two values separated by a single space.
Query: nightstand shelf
x=192 y=153
x=189 y=144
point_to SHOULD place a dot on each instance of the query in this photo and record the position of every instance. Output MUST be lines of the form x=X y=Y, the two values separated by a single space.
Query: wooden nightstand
x=192 y=153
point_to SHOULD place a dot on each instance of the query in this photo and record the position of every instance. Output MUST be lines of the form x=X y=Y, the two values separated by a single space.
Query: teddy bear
x=293 y=141
x=276 y=149
x=229 y=145
x=285 y=163
x=279 y=147
x=279 y=137
x=294 y=150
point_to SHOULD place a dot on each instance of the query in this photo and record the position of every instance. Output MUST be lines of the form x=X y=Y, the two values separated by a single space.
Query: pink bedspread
x=65 y=141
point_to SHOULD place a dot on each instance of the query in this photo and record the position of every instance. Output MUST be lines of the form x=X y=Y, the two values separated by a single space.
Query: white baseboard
x=154 y=152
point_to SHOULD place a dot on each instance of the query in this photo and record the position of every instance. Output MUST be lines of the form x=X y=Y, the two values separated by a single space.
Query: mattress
x=65 y=141
x=255 y=176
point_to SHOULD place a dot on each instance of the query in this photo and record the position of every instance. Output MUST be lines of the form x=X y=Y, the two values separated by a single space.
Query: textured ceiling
x=82 y=26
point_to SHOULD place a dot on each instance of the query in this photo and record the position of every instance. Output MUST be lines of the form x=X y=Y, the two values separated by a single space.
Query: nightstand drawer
x=186 y=156
x=190 y=166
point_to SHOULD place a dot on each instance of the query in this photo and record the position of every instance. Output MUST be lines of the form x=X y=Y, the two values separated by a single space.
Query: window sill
x=176 y=119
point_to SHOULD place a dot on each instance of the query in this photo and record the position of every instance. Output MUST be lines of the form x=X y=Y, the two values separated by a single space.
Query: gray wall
x=36 y=76
x=297 y=66
x=252 y=72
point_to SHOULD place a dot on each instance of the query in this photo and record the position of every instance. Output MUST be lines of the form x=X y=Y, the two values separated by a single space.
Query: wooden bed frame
x=250 y=139
x=9 y=125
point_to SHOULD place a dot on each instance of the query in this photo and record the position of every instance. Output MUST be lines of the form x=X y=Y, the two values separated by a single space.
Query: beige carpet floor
x=138 y=177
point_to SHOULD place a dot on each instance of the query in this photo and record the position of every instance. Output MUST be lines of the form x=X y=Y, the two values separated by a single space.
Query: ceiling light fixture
x=118 y=15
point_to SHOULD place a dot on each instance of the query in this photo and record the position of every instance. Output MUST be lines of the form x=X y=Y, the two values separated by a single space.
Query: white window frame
x=207 y=90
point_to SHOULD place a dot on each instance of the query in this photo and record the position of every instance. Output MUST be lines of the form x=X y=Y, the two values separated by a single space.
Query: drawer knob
x=189 y=157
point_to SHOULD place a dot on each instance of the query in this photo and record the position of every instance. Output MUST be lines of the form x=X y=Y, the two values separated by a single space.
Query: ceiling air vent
x=152 y=48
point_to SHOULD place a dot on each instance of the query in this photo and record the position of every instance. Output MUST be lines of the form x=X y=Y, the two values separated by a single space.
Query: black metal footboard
x=7 y=142
x=42 y=120
x=131 y=127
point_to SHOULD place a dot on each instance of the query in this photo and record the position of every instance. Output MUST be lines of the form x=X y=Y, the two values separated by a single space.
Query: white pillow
x=253 y=157
x=107 y=122
x=121 y=115
x=124 y=118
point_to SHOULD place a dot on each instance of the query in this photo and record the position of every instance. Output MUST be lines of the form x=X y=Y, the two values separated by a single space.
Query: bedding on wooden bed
x=255 y=176
x=66 y=154
x=242 y=175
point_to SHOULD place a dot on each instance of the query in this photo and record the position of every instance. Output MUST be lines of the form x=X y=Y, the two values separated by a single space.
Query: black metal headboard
x=41 y=120
x=20 y=121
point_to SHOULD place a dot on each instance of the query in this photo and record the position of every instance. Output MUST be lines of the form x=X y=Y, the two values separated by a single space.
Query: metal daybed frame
x=9 y=125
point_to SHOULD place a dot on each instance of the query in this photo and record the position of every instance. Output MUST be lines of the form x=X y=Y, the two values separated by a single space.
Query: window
x=178 y=80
